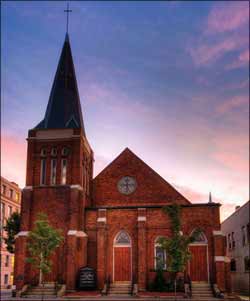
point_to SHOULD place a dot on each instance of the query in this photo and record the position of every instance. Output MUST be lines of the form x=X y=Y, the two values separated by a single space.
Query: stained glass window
x=122 y=239
x=160 y=256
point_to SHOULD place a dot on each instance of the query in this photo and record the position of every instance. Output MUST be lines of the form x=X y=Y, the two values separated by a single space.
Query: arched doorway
x=122 y=257
x=198 y=264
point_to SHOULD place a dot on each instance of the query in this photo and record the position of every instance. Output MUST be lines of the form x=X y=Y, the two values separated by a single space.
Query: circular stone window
x=126 y=185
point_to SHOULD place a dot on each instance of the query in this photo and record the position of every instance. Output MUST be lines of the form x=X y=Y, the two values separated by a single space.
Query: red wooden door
x=198 y=263
x=122 y=262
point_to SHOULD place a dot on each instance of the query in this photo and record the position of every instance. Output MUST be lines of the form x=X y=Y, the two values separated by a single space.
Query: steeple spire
x=210 y=198
x=64 y=107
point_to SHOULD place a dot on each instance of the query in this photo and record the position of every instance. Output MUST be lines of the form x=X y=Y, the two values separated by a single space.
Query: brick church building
x=112 y=222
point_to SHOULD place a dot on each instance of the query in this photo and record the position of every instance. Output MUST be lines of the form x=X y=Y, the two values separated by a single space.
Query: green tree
x=12 y=227
x=176 y=246
x=42 y=242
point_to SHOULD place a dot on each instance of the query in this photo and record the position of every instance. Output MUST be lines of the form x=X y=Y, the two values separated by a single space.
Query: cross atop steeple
x=67 y=11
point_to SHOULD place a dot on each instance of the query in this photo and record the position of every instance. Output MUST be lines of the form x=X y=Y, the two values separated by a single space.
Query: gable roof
x=151 y=189
x=64 y=107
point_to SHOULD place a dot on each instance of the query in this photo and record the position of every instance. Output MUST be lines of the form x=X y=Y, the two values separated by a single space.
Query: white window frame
x=53 y=171
x=43 y=172
x=64 y=172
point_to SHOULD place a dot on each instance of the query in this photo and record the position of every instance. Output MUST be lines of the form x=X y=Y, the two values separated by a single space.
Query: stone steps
x=46 y=290
x=120 y=289
x=202 y=291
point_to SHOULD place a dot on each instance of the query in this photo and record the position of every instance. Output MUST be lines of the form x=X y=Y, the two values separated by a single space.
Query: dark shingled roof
x=64 y=107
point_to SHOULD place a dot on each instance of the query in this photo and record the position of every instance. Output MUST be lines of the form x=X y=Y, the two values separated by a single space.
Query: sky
x=169 y=80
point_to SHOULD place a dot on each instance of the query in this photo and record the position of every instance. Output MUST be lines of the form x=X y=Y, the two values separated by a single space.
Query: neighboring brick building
x=10 y=202
x=112 y=222
x=237 y=230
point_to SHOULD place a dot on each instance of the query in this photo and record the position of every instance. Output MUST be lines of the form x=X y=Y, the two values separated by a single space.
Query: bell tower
x=58 y=178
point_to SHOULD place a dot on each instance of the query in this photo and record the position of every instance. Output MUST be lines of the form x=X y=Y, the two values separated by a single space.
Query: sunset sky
x=169 y=80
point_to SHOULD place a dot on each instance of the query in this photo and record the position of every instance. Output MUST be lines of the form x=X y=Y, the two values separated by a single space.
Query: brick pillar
x=21 y=239
x=76 y=240
x=219 y=257
x=142 y=249
x=20 y=255
x=101 y=247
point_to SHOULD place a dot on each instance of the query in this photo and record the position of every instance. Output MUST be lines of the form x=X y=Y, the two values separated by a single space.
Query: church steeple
x=64 y=107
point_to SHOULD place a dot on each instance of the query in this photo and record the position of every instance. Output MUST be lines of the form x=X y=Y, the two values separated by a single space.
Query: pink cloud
x=239 y=101
x=206 y=53
x=241 y=61
x=13 y=159
x=225 y=30
x=228 y=17
x=232 y=151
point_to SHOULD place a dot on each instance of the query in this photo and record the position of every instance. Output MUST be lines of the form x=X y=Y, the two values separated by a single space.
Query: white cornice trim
x=216 y=233
x=102 y=209
x=141 y=218
x=79 y=187
x=22 y=233
x=101 y=219
x=77 y=233
x=219 y=258
x=28 y=188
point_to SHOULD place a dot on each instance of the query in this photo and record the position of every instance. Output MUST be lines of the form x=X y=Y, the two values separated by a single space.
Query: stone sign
x=87 y=278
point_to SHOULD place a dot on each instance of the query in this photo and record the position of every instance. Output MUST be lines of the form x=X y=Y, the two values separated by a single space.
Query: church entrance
x=122 y=257
x=198 y=265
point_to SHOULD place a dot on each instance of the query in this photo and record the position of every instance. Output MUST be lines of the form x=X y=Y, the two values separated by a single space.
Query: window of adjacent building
x=17 y=196
x=160 y=256
x=64 y=172
x=233 y=265
x=11 y=193
x=248 y=233
x=53 y=172
x=233 y=241
x=6 y=279
x=43 y=172
x=7 y=260
x=4 y=189
x=2 y=213
x=247 y=263
x=243 y=233
x=9 y=211
x=229 y=241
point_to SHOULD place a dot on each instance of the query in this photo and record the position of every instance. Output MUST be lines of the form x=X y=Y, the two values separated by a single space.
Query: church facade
x=112 y=222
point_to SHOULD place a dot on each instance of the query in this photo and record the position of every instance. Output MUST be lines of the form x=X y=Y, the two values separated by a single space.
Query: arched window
x=53 y=152
x=65 y=151
x=160 y=255
x=43 y=152
x=122 y=238
x=200 y=238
